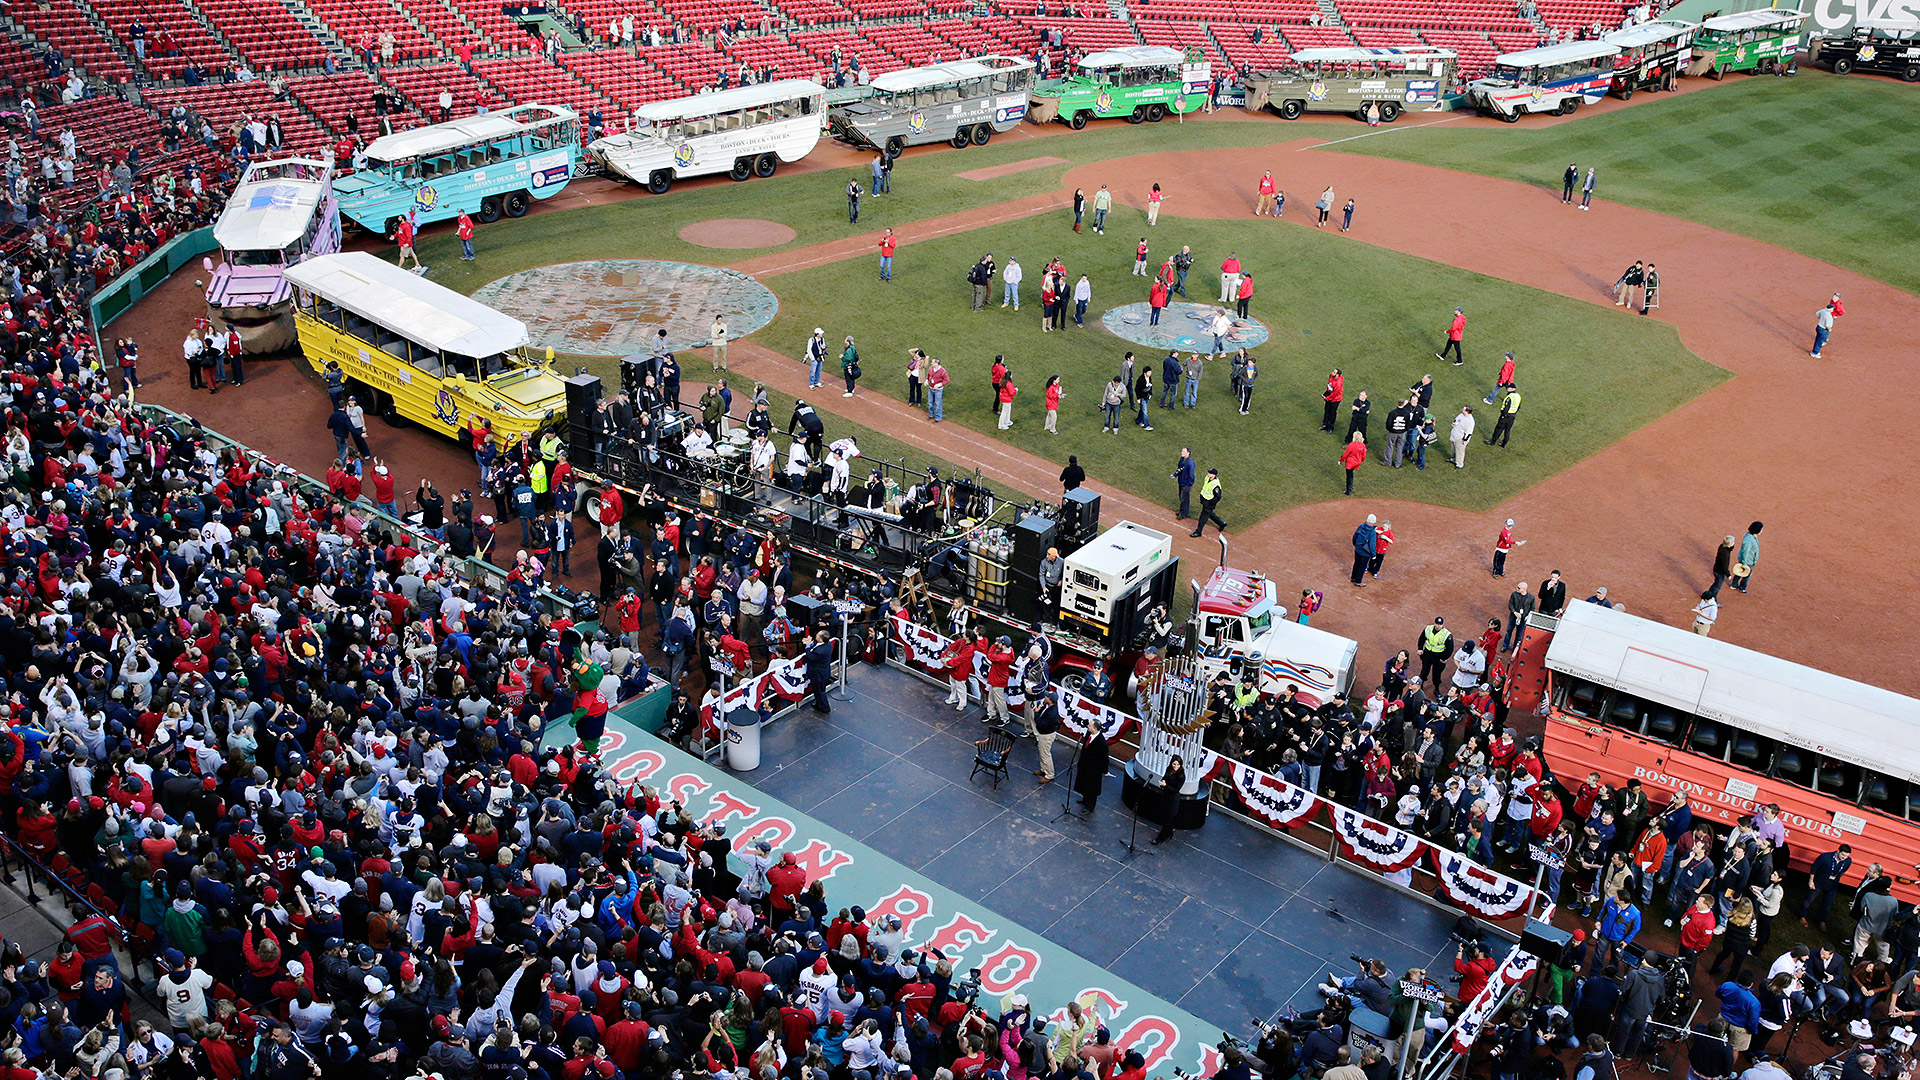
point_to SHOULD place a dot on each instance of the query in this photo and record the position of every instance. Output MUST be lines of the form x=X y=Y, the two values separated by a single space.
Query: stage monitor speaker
x=1542 y=940
x=1032 y=536
x=1080 y=515
x=583 y=402
x=811 y=614
x=633 y=375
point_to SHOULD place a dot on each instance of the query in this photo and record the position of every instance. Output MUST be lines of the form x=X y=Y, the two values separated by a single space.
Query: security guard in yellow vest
x=550 y=450
x=1209 y=502
x=537 y=480
x=1436 y=645
x=1509 y=408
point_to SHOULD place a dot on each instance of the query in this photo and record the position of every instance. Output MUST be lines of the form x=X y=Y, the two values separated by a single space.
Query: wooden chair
x=992 y=754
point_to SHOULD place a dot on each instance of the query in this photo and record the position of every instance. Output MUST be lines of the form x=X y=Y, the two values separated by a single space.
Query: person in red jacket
x=1156 y=301
x=464 y=230
x=1335 y=393
x=1696 y=929
x=627 y=1040
x=1354 y=456
x=1455 y=331
x=999 y=664
x=1007 y=393
x=785 y=879
x=1474 y=970
x=959 y=661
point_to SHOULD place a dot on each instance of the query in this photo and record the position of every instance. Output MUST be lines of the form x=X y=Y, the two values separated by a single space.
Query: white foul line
x=1381 y=131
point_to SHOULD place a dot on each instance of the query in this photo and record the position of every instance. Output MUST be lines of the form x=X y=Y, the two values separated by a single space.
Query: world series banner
x=1487 y=893
x=1372 y=843
x=1473 y=1019
x=1271 y=799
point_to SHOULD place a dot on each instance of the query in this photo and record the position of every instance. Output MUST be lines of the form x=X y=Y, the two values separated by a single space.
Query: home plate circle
x=1182 y=327
x=615 y=307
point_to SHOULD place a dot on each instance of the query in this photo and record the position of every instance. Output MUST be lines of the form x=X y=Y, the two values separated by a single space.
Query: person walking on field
x=1153 y=205
x=1111 y=401
x=1335 y=393
x=1704 y=614
x=1102 y=202
x=850 y=366
x=1140 y=259
x=1156 y=301
x=1462 y=435
x=1183 y=478
x=1265 y=202
x=1502 y=381
x=1630 y=279
x=1365 y=540
x=937 y=379
x=1382 y=540
x=1324 y=206
x=1503 y=545
x=1209 y=504
x=1503 y=424
x=1456 y=330
x=1346 y=217
x=1567 y=183
x=1748 y=558
x=1723 y=564
x=853 y=202
x=1082 y=293
x=464 y=230
x=887 y=245
x=1079 y=208
x=717 y=333
x=1354 y=456
x=1586 y=191
x=1823 y=324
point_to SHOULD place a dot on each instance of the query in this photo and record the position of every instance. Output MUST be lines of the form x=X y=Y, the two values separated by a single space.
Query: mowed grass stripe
x=1818 y=163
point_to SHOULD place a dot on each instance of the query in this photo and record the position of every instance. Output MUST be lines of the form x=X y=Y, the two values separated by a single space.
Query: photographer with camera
x=1369 y=987
x=1474 y=966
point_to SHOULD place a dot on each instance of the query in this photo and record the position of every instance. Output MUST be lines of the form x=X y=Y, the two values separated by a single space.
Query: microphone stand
x=1073 y=778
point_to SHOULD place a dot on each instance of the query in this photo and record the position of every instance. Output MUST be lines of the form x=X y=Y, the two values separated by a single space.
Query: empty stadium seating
x=421 y=87
x=63 y=26
x=357 y=21
x=228 y=104
x=535 y=78
x=265 y=33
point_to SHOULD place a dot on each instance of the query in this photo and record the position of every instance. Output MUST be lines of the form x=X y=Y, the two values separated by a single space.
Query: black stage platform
x=1228 y=922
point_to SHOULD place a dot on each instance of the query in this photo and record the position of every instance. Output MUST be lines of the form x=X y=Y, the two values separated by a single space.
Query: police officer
x=1436 y=645
x=1209 y=502
x=1509 y=408
x=805 y=419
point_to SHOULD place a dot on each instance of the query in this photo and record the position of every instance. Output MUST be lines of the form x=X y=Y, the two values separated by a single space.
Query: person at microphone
x=1172 y=782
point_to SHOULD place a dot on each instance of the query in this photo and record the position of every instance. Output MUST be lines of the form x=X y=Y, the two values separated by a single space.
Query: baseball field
x=1644 y=437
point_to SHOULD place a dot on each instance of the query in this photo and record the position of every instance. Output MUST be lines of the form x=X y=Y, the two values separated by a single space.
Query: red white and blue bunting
x=1487 y=893
x=1079 y=715
x=1374 y=844
x=923 y=644
x=1479 y=1012
x=1271 y=799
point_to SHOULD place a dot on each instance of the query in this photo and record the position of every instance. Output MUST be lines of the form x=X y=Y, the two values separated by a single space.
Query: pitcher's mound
x=737 y=233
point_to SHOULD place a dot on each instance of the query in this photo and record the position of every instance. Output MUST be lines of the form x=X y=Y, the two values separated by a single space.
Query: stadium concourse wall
x=126 y=290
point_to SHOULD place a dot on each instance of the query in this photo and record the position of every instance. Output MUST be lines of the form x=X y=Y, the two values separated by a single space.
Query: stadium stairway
x=337 y=47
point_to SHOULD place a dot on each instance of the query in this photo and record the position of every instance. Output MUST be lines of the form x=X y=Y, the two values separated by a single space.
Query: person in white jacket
x=1010 y=279
x=1462 y=435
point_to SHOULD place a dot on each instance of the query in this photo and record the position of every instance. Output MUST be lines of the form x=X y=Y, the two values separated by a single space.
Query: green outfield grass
x=814 y=205
x=1590 y=373
x=1823 y=164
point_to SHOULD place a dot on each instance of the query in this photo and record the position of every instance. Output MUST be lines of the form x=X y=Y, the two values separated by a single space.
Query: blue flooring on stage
x=1229 y=922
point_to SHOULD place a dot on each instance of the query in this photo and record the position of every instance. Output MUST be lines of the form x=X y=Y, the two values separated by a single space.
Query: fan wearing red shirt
x=887 y=245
